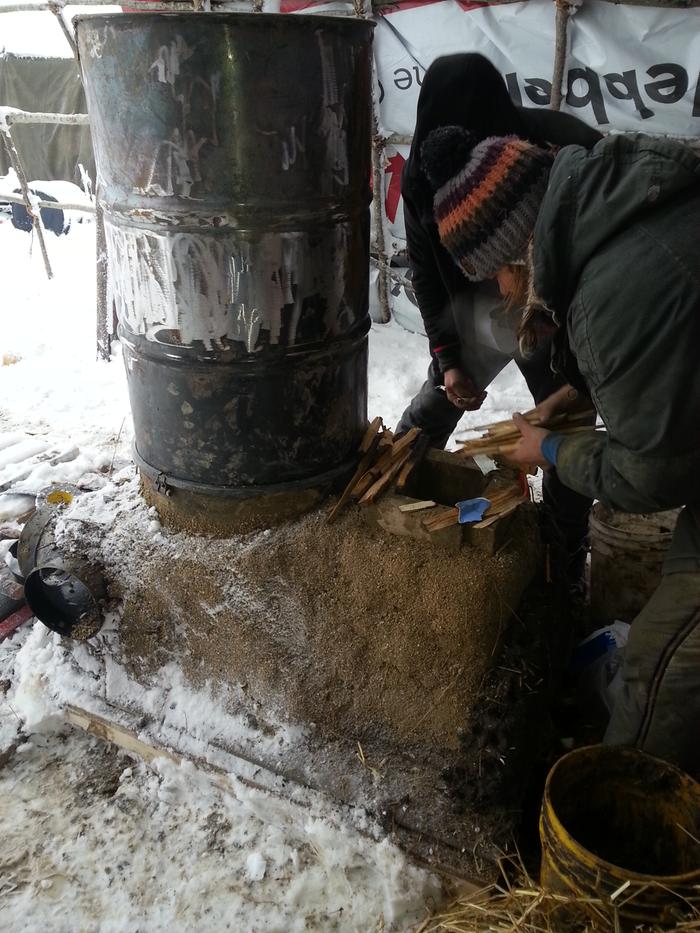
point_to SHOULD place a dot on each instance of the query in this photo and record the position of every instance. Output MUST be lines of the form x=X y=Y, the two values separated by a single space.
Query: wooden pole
x=378 y=205
x=24 y=187
x=560 y=40
x=57 y=10
x=50 y=205
x=103 y=330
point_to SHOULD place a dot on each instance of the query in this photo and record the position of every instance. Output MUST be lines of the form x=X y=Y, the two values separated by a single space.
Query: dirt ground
x=341 y=626
x=401 y=673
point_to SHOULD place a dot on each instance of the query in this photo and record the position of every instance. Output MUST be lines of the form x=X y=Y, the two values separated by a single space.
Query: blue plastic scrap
x=471 y=510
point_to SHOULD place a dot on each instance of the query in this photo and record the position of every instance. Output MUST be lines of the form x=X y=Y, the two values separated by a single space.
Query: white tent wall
x=622 y=67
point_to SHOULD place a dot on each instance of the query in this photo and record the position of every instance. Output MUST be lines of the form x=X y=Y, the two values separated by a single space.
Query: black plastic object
x=233 y=152
x=65 y=592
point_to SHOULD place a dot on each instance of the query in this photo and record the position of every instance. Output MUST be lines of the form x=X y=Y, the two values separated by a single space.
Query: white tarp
x=628 y=68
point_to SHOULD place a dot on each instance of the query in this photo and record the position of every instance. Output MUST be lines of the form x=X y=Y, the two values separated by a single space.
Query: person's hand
x=528 y=450
x=564 y=401
x=461 y=391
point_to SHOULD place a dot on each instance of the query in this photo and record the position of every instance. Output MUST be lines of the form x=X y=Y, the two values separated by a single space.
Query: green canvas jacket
x=617 y=260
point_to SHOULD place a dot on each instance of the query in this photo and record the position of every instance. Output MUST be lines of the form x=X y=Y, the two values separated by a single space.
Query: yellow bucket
x=623 y=827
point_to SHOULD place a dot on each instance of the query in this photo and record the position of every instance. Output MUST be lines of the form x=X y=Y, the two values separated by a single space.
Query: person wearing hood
x=471 y=338
x=601 y=249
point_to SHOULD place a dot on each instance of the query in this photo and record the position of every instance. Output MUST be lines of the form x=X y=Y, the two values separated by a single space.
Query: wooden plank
x=417 y=506
x=118 y=735
x=125 y=738
x=10 y=625
x=292 y=792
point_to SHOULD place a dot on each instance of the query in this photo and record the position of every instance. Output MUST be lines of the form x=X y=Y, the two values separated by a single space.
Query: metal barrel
x=233 y=155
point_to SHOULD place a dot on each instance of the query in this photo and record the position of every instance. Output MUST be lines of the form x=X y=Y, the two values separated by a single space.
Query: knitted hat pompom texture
x=487 y=200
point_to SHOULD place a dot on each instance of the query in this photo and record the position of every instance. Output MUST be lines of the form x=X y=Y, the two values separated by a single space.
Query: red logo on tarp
x=393 y=192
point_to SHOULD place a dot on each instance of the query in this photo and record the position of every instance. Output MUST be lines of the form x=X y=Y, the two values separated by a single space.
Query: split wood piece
x=503 y=500
x=373 y=472
x=405 y=441
x=496 y=491
x=503 y=495
x=533 y=418
x=381 y=484
x=368 y=447
x=492 y=519
x=507 y=443
x=386 y=438
x=386 y=463
x=530 y=416
x=452 y=518
x=370 y=434
x=420 y=449
x=500 y=431
x=417 y=506
x=442 y=520
x=501 y=504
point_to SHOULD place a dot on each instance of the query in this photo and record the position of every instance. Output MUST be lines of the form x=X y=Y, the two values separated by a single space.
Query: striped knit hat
x=486 y=209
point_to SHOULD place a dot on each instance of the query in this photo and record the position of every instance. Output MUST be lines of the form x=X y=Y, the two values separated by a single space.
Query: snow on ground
x=93 y=841
x=96 y=841
x=58 y=386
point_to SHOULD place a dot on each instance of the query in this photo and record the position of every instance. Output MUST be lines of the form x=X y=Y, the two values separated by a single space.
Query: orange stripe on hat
x=486 y=188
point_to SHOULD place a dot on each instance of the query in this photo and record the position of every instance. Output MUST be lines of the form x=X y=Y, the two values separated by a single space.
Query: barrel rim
x=287 y=357
x=326 y=479
x=306 y=19
x=549 y=814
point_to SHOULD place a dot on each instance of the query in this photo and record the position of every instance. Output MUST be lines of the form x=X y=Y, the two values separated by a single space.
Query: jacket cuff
x=448 y=356
x=550 y=447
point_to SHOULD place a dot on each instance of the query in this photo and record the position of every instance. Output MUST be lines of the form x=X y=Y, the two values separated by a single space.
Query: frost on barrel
x=233 y=156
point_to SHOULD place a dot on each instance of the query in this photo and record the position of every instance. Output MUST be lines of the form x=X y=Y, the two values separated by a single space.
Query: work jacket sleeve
x=623 y=479
x=432 y=296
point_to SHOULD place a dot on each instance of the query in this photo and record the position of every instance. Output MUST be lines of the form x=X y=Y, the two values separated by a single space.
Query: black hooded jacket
x=463 y=90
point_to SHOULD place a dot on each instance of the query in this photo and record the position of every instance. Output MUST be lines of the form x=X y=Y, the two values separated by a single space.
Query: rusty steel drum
x=233 y=158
